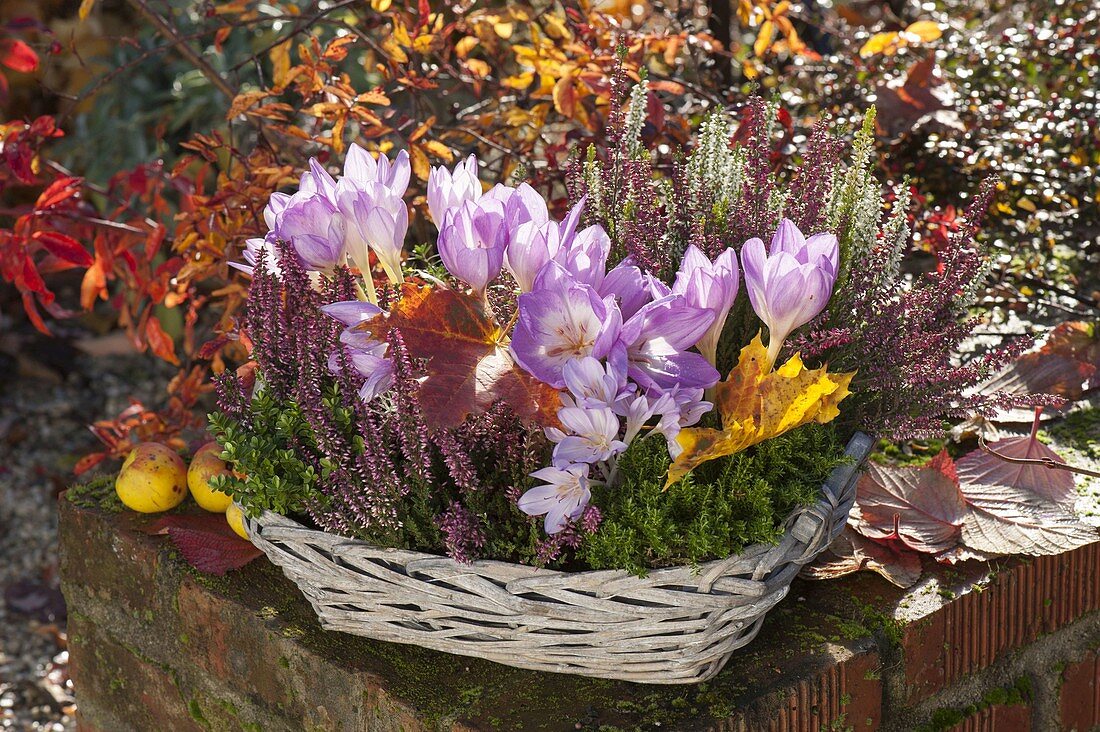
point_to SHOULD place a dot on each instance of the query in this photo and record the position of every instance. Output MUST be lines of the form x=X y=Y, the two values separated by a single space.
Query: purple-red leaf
x=981 y=468
x=206 y=541
x=920 y=507
x=1010 y=520
x=852 y=553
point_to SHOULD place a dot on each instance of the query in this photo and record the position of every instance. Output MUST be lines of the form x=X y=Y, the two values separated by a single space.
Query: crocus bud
x=531 y=246
x=709 y=286
x=448 y=190
x=792 y=284
x=315 y=230
x=471 y=242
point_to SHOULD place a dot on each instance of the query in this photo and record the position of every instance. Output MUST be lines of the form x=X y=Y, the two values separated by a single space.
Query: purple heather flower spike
x=315 y=230
x=591 y=437
x=376 y=219
x=563 y=496
x=789 y=287
x=448 y=190
x=351 y=312
x=657 y=338
x=709 y=286
x=471 y=242
x=565 y=320
x=531 y=245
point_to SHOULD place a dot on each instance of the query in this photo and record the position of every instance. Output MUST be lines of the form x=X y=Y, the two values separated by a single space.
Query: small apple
x=235 y=516
x=153 y=479
x=204 y=466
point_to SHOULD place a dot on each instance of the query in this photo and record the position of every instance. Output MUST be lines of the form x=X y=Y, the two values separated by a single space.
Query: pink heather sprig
x=463 y=534
x=572 y=536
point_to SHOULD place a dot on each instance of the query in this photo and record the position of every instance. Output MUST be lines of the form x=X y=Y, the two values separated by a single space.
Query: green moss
x=1080 y=431
x=914 y=453
x=720 y=508
x=98 y=494
x=195 y=710
x=944 y=719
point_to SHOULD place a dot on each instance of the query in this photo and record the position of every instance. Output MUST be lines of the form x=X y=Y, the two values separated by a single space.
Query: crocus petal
x=351 y=312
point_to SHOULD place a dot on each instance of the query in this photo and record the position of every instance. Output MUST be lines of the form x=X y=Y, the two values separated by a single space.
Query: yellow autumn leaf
x=757 y=404
x=764 y=38
x=380 y=6
x=438 y=149
x=85 y=8
x=280 y=61
x=885 y=42
x=925 y=30
x=465 y=45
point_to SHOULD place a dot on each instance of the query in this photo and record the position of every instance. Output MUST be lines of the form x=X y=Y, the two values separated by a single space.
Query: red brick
x=1029 y=598
x=1079 y=701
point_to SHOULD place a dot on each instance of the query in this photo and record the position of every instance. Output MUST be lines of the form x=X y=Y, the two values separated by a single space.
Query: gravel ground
x=47 y=400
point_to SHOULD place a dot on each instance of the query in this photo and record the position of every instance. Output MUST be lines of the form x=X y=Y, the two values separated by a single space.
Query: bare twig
x=165 y=29
x=1045 y=462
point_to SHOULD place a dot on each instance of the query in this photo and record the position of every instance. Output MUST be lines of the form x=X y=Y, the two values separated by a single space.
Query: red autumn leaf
x=60 y=190
x=851 y=552
x=206 y=541
x=17 y=55
x=920 y=507
x=1005 y=519
x=65 y=247
x=160 y=342
x=468 y=365
x=921 y=97
x=982 y=468
x=1066 y=364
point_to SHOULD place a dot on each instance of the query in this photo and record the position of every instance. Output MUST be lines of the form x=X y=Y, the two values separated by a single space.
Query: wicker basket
x=675 y=626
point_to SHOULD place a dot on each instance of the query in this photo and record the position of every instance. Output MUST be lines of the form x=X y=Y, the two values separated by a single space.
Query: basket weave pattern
x=677 y=625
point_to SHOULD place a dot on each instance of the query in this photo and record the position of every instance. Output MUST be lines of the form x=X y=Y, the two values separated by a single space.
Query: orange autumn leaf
x=757 y=404
x=468 y=367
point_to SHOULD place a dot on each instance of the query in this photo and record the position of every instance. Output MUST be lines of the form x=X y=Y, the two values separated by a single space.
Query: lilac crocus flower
x=710 y=286
x=584 y=254
x=448 y=190
x=591 y=383
x=315 y=230
x=789 y=287
x=274 y=207
x=471 y=242
x=522 y=205
x=530 y=247
x=251 y=256
x=629 y=286
x=368 y=356
x=363 y=168
x=561 y=322
x=376 y=219
x=657 y=339
x=590 y=436
x=563 y=496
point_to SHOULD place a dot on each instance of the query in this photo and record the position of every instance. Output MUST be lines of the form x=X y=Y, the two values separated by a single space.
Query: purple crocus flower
x=789 y=287
x=563 y=321
x=315 y=230
x=362 y=168
x=563 y=496
x=629 y=286
x=591 y=383
x=448 y=190
x=251 y=255
x=584 y=254
x=530 y=247
x=376 y=219
x=709 y=286
x=274 y=207
x=368 y=356
x=657 y=339
x=590 y=436
x=471 y=242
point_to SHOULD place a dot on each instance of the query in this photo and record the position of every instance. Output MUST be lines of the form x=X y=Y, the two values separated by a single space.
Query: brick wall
x=1008 y=646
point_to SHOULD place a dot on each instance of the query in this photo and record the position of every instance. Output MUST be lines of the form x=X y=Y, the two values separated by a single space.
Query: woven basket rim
x=857 y=448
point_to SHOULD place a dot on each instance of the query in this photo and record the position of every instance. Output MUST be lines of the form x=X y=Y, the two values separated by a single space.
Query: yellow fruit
x=153 y=479
x=235 y=516
x=204 y=466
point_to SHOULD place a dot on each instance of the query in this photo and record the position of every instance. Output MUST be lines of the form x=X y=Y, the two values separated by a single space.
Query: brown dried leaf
x=851 y=552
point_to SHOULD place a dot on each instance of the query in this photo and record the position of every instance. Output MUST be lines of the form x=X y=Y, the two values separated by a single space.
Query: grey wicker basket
x=677 y=625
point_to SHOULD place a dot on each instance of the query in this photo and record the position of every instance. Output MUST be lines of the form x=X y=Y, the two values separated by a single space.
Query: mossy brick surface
x=245 y=651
